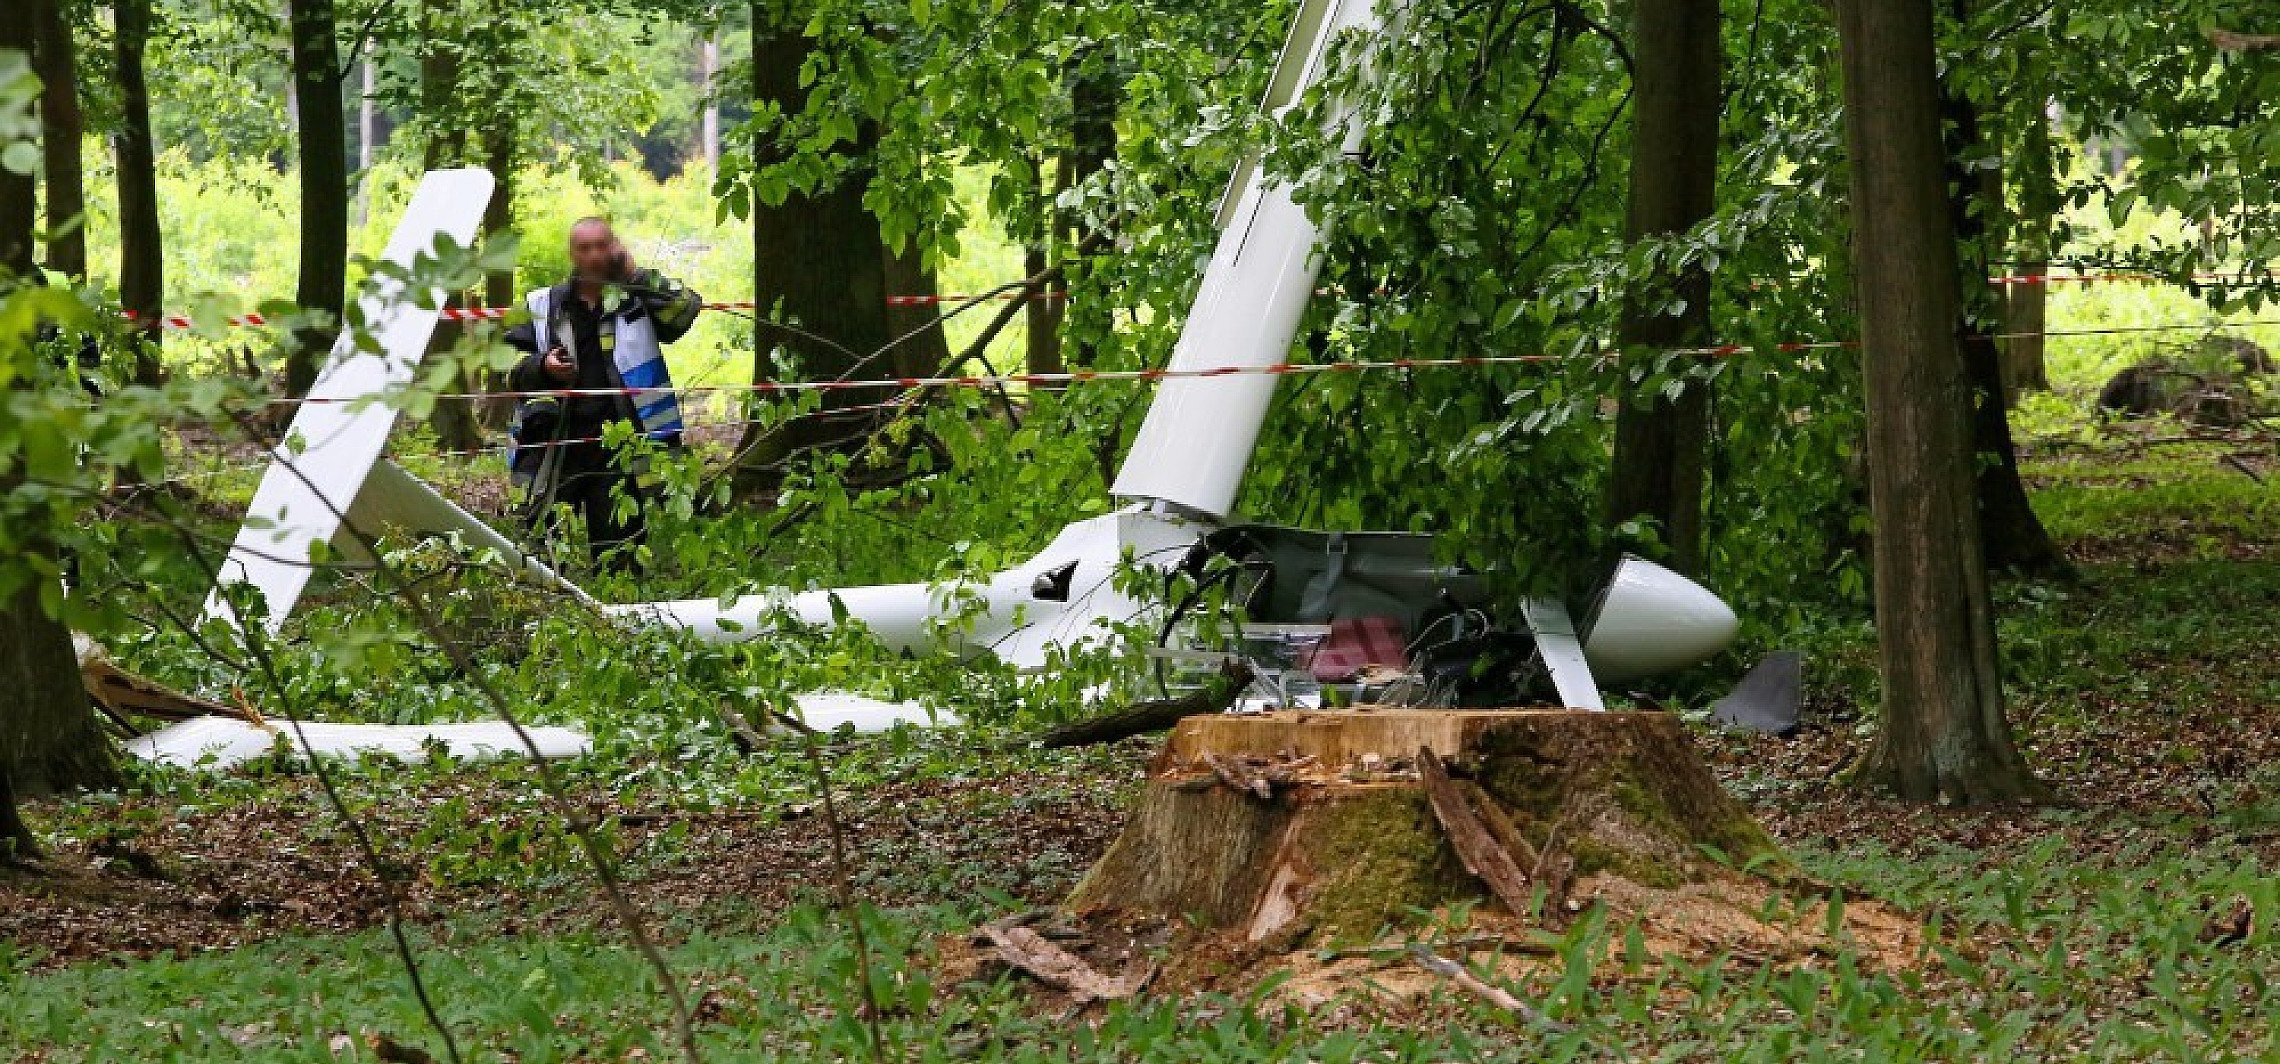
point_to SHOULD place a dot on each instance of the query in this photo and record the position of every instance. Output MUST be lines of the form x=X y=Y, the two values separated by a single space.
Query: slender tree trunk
x=2011 y=534
x=708 y=129
x=365 y=88
x=142 y=251
x=1944 y=735
x=454 y=420
x=2025 y=316
x=61 y=127
x=1096 y=93
x=18 y=198
x=819 y=267
x=2024 y=305
x=1042 y=313
x=499 y=224
x=323 y=278
x=1661 y=441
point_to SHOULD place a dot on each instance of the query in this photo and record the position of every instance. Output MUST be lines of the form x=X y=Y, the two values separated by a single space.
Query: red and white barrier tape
x=503 y=448
x=185 y=321
x=2144 y=278
x=1277 y=369
x=954 y=297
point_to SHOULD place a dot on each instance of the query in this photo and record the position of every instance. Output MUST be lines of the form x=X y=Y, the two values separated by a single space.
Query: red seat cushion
x=1356 y=643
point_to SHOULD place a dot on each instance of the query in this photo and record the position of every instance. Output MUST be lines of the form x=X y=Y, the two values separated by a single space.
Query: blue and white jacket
x=652 y=311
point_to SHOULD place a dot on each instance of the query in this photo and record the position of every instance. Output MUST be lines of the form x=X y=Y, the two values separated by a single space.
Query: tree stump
x=1348 y=838
x=1382 y=855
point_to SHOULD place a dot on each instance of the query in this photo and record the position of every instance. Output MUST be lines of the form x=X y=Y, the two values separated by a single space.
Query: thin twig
x=1457 y=973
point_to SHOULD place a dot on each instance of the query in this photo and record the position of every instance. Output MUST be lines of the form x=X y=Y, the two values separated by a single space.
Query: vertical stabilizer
x=1198 y=436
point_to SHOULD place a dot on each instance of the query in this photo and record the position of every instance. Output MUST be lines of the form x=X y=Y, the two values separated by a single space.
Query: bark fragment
x=1025 y=949
x=1483 y=854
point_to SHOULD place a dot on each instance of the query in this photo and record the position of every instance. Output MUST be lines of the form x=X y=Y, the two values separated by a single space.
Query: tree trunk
x=454 y=420
x=499 y=224
x=819 y=267
x=142 y=251
x=323 y=278
x=18 y=199
x=2025 y=316
x=924 y=354
x=1096 y=93
x=1042 y=314
x=2011 y=535
x=1944 y=735
x=1661 y=442
x=366 y=87
x=2024 y=305
x=708 y=128
x=61 y=127
x=48 y=732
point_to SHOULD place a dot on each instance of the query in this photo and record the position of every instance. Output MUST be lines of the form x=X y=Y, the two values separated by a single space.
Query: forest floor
x=235 y=919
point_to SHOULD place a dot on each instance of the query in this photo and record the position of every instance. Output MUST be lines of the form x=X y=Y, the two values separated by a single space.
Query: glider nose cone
x=1653 y=620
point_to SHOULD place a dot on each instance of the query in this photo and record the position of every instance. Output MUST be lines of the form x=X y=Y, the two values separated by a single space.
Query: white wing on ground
x=829 y=710
x=220 y=743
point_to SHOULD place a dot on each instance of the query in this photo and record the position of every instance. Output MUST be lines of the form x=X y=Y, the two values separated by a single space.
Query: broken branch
x=1481 y=988
x=1153 y=715
x=2234 y=41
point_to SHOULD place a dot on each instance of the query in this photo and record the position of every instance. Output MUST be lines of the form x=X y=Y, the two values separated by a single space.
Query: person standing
x=599 y=337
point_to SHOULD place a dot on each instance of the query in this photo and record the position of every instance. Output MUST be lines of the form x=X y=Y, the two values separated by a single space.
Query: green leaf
x=21 y=157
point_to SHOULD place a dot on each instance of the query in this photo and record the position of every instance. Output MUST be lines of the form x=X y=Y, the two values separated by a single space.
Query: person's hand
x=621 y=262
x=559 y=367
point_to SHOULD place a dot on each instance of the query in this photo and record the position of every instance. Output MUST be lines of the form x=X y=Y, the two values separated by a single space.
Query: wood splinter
x=1477 y=844
x=1239 y=776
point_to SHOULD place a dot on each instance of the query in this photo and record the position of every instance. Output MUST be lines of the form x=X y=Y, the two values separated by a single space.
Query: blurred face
x=592 y=248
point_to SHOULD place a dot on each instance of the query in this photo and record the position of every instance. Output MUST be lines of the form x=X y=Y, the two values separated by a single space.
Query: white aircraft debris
x=221 y=743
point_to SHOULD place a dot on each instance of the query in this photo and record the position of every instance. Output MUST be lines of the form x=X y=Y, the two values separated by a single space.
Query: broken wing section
x=394 y=499
x=334 y=441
